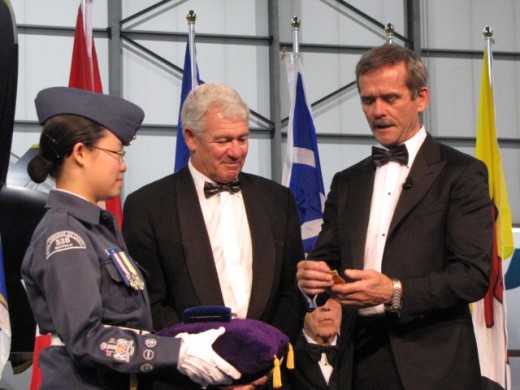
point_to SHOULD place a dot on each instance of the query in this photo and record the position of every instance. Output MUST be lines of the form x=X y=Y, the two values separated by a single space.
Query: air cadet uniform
x=88 y=293
x=98 y=323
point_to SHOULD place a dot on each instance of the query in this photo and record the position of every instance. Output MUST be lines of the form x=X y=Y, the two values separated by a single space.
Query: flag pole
x=191 y=17
x=488 y=38
x=190 y=80
x=88 y=33
x=490 y=314
x=295 y=24
x=389 y=32
x=487 y=32
x=302 y=169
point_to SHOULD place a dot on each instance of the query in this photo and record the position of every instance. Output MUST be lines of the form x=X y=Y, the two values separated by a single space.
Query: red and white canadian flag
x=84 y=74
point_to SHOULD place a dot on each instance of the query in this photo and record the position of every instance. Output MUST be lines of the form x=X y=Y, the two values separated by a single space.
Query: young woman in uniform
x=83 y=287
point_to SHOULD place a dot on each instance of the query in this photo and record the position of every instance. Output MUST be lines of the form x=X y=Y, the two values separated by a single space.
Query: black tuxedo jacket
x=165 y=233
x=439 y=245
x=307 y=374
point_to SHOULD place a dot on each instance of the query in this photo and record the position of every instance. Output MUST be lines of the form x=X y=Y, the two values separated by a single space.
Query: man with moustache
x=410 y=229
x=213 y=235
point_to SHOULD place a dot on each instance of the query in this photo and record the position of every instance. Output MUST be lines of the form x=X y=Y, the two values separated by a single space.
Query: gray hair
x=211 y=96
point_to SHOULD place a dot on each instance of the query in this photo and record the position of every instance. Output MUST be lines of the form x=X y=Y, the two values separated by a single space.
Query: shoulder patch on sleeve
x=63 y=241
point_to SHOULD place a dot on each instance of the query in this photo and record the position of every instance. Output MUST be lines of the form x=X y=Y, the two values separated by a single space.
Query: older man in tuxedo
x=410 y=229
x=211 y=234
x=317 y=350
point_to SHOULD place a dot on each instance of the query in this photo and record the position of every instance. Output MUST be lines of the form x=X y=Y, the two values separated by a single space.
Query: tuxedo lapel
x=360 y=198
x=264 y=255
x=315 y=377
x=195 y=241
x=426 y=167
x=309 y=371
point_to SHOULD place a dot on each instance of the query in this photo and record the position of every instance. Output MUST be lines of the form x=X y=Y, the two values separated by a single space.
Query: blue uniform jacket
x=77 y=294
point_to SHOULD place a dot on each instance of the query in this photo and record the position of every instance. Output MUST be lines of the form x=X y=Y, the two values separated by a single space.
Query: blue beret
x=118 y=115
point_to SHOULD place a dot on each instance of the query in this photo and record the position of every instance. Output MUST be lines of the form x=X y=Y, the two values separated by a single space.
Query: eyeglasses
x=121 y=156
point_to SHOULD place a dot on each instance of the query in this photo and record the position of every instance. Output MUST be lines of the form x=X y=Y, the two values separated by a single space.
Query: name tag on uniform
x=126 y=268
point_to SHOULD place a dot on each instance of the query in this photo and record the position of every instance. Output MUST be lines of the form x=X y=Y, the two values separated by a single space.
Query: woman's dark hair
x=59 y=135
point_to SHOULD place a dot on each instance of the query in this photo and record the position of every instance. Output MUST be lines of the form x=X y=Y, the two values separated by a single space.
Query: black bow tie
x=316 y=350
x=211 y=189
x=398 y=154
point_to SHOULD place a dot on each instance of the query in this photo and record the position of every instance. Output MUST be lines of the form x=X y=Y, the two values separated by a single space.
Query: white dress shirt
x=228 y=230
x=388 y=183
x=325 y=366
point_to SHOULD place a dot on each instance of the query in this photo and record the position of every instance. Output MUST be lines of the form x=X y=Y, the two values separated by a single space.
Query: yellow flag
x=487 y=150
x=489 y=314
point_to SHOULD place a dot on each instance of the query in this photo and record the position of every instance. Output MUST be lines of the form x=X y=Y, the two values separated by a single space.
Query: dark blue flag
x=5 y=324
x=512 y=277
x=182 y=154
x=302 y=169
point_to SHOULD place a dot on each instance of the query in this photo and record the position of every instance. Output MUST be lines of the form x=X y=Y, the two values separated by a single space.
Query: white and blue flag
x=5 y=324
x=302 y=169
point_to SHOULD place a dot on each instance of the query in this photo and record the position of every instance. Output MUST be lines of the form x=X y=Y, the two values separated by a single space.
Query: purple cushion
x=248 y=345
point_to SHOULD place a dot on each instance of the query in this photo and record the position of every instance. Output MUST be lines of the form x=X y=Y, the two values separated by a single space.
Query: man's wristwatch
x=395 y=305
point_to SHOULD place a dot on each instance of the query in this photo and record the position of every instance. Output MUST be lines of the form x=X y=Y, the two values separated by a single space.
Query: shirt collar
x=412 y=145
x=75 y=205
x=310 y=340
x=199 y=179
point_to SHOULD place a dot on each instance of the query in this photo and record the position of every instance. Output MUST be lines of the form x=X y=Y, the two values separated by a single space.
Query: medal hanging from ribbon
x=126 y=268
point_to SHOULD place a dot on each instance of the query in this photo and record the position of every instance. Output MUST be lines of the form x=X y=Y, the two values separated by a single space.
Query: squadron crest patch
x=119 y=349
x=63 y=241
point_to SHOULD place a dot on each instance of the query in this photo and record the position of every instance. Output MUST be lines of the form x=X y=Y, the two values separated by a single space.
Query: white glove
x=201 y=363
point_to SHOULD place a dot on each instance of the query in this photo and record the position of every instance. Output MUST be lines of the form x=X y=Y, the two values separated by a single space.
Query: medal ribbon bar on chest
x=126 y=268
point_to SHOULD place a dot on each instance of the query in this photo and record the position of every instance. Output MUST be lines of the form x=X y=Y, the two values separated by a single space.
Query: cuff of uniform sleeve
x=310 y=302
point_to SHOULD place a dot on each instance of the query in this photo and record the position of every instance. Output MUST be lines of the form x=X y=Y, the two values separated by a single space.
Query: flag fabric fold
x=302 y=169
x=189 y=81
x=84 y=74
x=84 y=69
x=489 y=314
x=5 y=323
x=512 y=277
x=41 y=342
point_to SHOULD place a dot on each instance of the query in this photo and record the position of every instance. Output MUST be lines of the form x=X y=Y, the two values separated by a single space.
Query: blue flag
x=182 y=154
x=5 y=324
x=512 y=277
x=302 y=169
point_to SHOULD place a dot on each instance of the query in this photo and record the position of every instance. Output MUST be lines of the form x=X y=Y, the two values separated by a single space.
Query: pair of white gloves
x=201 y=363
